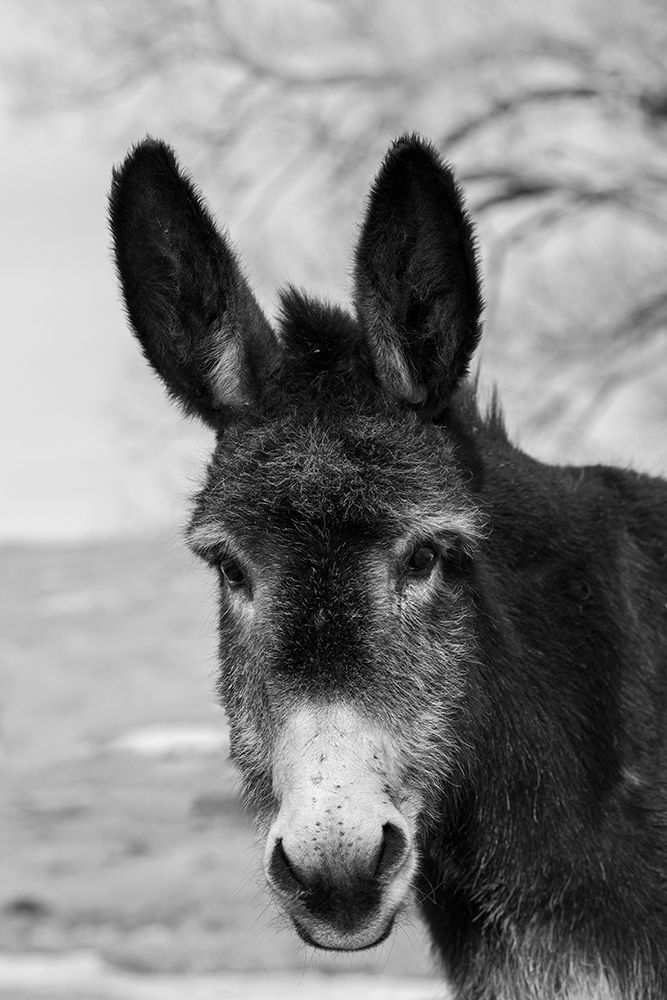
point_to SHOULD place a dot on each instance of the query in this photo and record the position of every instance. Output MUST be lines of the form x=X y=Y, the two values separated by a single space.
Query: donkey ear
x=198 y=323
x=417 y=290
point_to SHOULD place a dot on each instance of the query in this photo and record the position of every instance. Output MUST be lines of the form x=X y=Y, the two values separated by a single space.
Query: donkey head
x=337 y=517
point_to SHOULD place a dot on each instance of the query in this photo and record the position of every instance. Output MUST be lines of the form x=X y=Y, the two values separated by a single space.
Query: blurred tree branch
x=550 y=122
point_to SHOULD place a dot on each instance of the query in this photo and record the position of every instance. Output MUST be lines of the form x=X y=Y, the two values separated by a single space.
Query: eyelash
x=422 y=560
x=449 y=551
x=231 y=572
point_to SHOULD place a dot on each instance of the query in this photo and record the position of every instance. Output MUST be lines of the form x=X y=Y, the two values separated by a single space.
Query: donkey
x=443 y=662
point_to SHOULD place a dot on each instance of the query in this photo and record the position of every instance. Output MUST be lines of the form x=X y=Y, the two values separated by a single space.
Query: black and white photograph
x=333 y=506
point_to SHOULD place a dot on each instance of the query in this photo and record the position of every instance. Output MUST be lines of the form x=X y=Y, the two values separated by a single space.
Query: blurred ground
x=82 y=977
x=120 y=832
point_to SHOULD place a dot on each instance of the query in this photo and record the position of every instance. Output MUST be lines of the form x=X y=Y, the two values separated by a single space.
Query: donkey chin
x=340 y=856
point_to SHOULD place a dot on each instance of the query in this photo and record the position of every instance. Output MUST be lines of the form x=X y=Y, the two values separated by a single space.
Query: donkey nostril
x=393 y=850
x=280 y=871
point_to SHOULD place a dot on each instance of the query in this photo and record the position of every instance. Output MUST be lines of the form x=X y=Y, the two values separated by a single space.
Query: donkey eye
x=232 y=573
x=422 y=560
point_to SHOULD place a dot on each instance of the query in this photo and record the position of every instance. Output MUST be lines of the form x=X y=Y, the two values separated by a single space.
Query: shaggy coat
x=444 y=663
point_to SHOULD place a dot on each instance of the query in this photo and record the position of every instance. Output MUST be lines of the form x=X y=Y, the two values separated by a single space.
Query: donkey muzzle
x=340 y=855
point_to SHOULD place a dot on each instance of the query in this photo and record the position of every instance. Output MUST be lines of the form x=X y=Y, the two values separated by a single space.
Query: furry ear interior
x=417 y=290
x=198 y=323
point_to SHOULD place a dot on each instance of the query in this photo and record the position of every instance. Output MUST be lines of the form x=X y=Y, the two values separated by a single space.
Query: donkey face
x=337 y=518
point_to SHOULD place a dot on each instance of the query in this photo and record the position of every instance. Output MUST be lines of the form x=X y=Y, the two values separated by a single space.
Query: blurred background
x=120 y=838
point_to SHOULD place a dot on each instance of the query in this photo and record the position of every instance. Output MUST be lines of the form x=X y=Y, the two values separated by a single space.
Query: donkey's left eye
x=232 y=572
x=422 y=560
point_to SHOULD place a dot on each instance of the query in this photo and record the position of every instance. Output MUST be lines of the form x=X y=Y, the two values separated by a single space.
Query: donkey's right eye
x=232 y=573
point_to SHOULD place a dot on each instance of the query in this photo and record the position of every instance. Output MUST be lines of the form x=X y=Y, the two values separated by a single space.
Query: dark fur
x=182 y=284
x=536 y=732
x=417 y=288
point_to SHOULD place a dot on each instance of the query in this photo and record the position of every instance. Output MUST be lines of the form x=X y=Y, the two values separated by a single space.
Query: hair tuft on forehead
x=317 y=337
